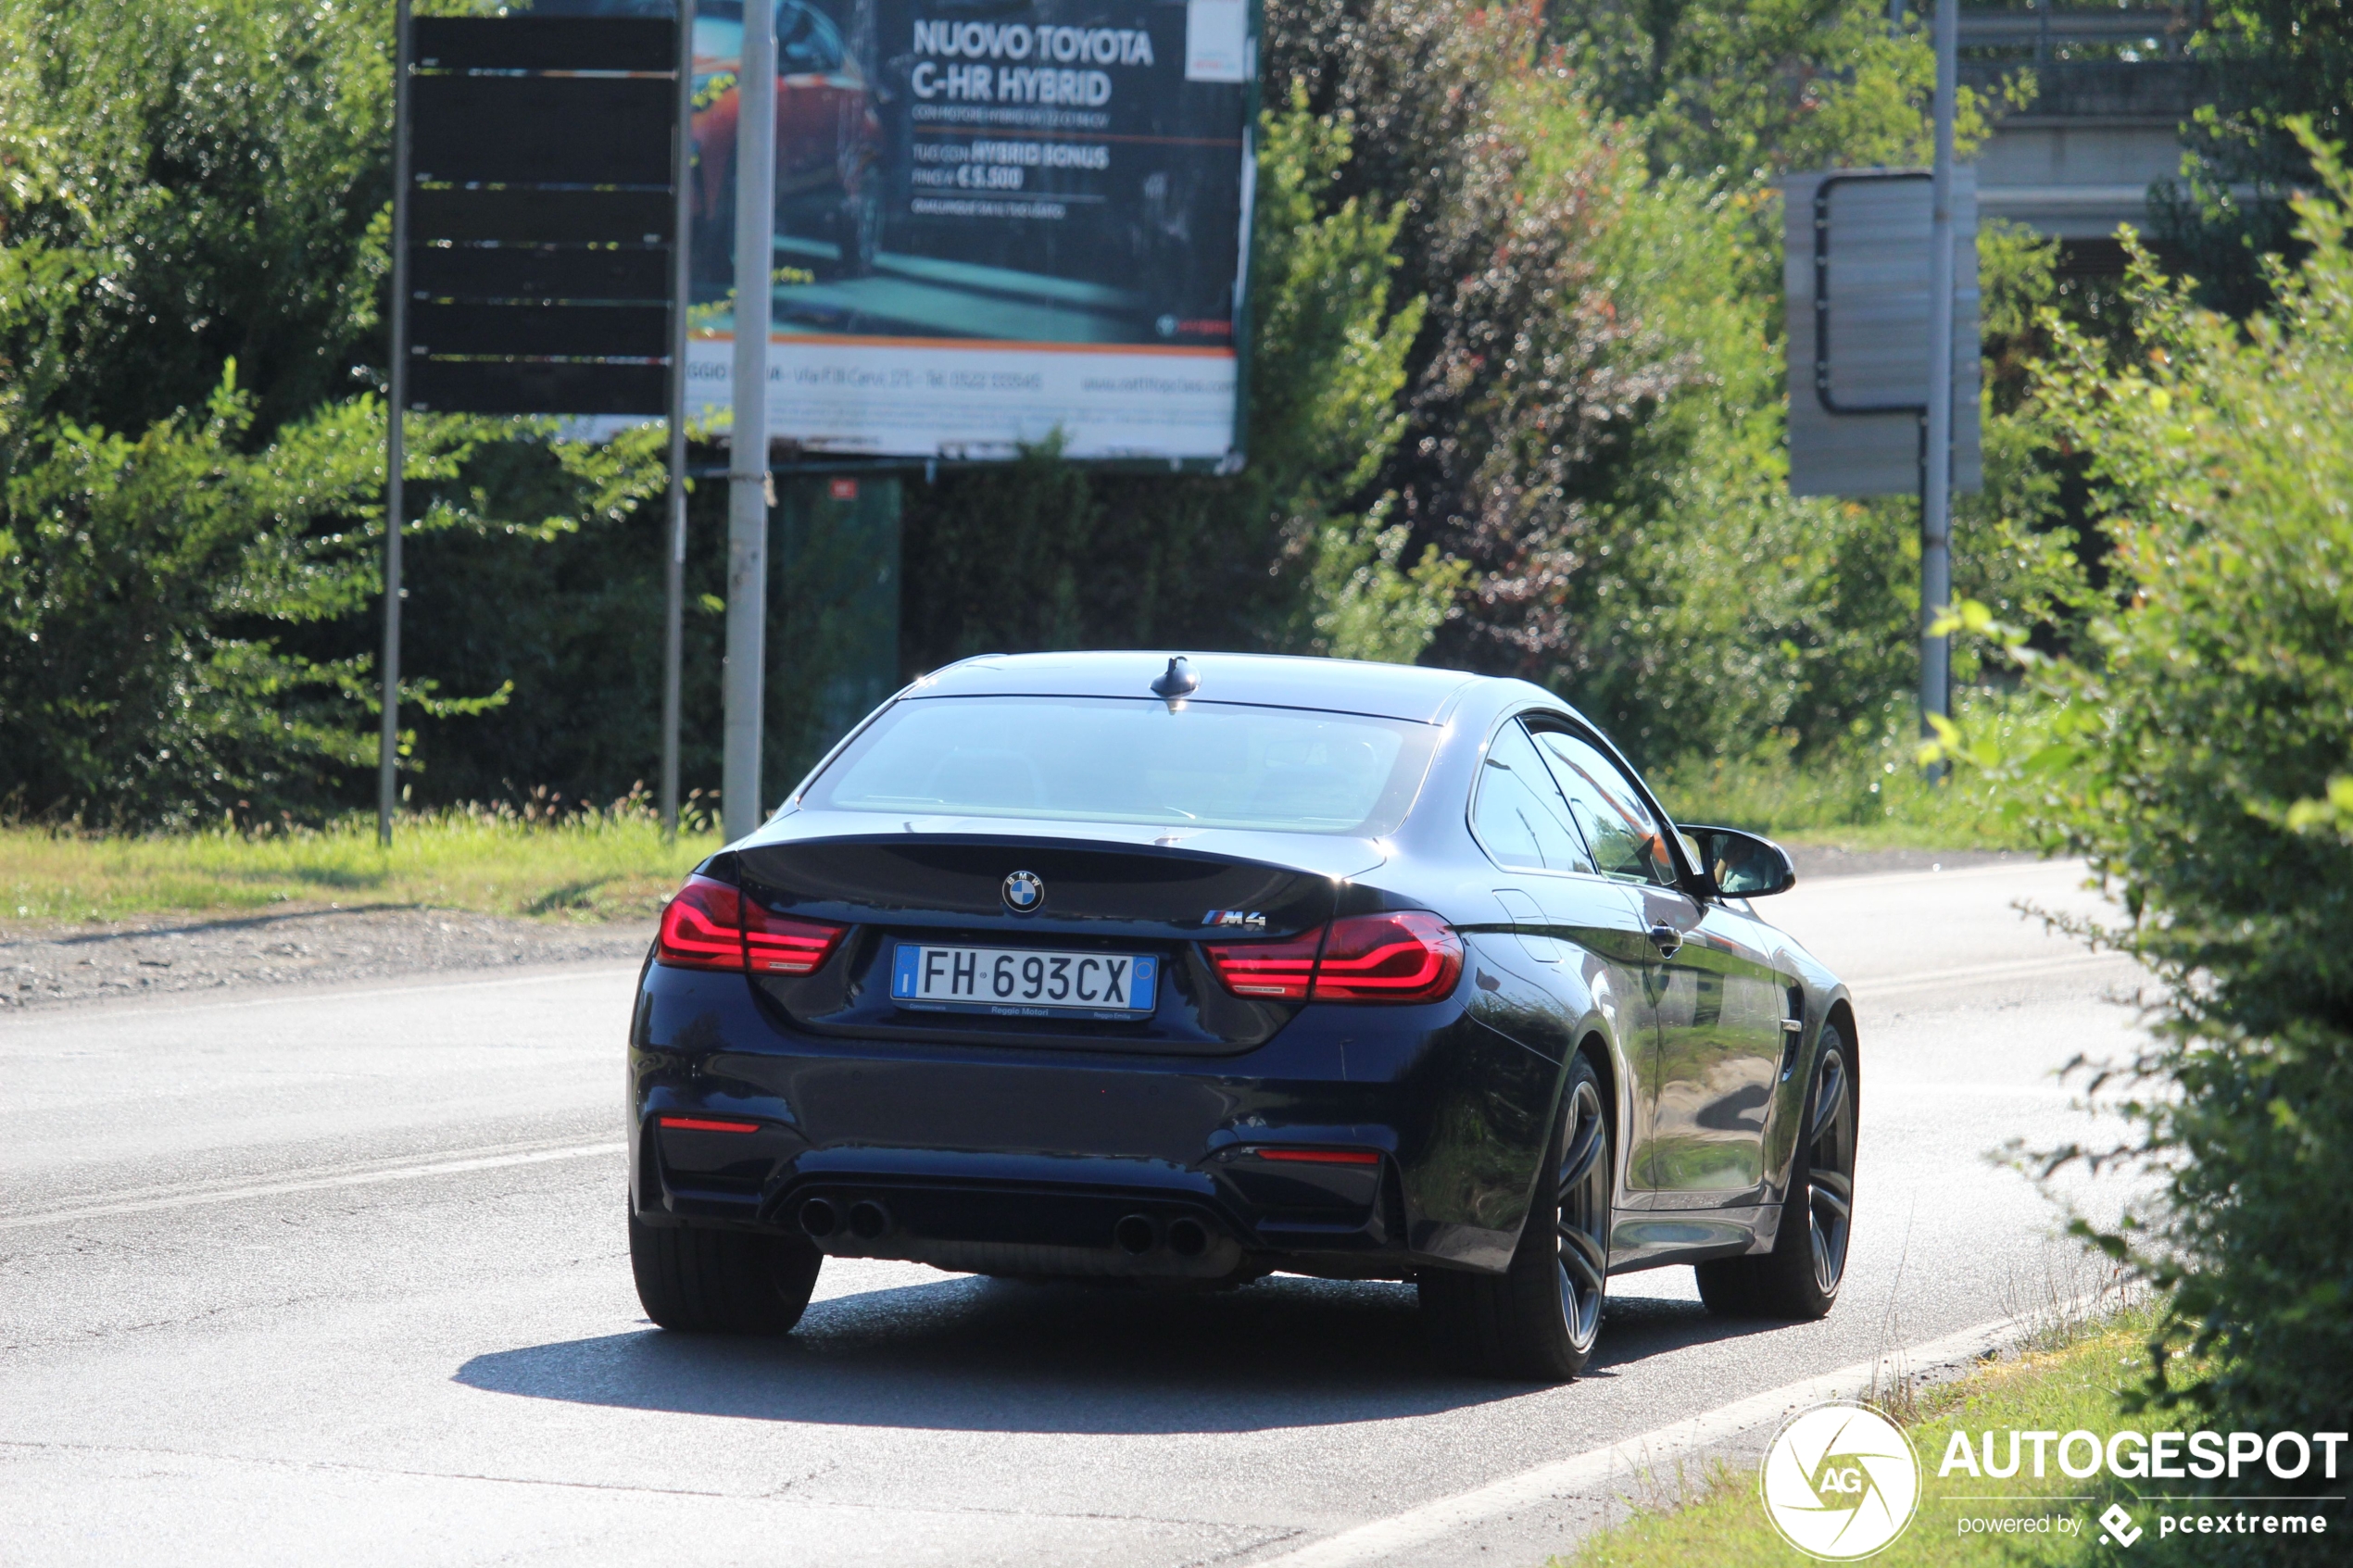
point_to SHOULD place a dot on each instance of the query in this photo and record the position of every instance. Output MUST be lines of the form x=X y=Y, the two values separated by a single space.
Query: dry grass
x=585 y=866
x=2074 y=1372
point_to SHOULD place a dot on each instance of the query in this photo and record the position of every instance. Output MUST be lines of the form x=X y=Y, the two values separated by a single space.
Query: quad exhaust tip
x=1136 y=1234
x=867 y=1220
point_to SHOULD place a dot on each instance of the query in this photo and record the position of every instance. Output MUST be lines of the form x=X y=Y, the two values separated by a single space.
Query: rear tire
x=1540 y=1319
x=1798 y=1280
x=721 y=1281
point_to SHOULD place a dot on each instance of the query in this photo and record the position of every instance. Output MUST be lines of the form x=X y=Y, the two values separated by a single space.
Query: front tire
x=1540 y=1319
x=721 y=1281
x=1798 y=1280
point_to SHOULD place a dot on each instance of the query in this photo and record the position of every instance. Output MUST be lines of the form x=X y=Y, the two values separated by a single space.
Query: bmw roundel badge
x=1024 y=892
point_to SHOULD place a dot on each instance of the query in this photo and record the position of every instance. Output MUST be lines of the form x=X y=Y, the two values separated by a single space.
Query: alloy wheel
x=1584 y=1214
x=1830 y=1181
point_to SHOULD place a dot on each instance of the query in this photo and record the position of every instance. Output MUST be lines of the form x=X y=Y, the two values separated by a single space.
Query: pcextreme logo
x=2117 y=1525
x=1839 y=1481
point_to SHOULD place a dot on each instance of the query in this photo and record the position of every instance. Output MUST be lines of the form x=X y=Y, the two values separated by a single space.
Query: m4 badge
x=1251 y=918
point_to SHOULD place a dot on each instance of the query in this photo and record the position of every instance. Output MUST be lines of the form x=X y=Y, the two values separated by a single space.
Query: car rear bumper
x=1045 y=1161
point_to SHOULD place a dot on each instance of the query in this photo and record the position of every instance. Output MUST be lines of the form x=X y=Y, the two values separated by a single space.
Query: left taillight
x=775 y=944
x=1280 y=971
x=702 y=927
x=710 y=925
x=1404 y=956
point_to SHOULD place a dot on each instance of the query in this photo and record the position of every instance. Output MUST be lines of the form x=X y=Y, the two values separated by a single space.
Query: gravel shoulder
x=46 y=967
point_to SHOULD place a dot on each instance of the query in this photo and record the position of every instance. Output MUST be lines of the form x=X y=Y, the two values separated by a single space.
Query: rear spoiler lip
x=1340 y=857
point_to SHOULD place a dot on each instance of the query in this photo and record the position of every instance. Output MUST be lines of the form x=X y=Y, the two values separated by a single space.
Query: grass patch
x=2077 y=1385
x=1867 y=797
x=1852 y=803
x=591 y=866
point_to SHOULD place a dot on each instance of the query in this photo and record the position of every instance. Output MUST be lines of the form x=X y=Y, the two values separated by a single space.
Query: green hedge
x=2205 y=765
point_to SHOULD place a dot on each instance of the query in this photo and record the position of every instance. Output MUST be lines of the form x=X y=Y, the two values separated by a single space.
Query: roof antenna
x=1178 y=681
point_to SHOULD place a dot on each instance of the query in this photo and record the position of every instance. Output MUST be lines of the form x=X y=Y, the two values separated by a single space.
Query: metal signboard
x=994 y=225
x=1855 y=272
x=541 y=215
x=535 y=221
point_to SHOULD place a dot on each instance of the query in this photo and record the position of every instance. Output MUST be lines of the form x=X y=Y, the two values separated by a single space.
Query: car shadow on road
x=981 y=1355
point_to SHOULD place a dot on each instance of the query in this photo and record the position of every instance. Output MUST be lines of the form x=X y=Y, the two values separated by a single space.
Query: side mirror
x=1741 y=864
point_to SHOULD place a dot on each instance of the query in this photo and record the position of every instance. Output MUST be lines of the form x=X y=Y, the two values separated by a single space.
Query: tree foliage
x=1040 y=554
x=128 y=569
x=218 y=170
x=1745 y=90
x=1514 y=371
x=192 y=227
x=2270 y=63
x=2204 y=763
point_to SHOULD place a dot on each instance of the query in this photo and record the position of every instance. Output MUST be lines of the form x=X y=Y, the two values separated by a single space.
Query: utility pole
x=396 y=444
x=674 y=596
x=749 y=488
x=1936 y=481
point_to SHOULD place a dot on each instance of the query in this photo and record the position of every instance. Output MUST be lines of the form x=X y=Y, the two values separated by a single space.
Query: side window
x=806 y=41
x=1519 y=814
x=1627 y=840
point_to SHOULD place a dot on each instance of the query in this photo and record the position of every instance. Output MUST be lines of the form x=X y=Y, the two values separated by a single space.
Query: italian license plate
x=1022 y=982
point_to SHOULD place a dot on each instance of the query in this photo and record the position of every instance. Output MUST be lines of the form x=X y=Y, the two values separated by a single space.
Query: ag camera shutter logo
x=1839 y=1481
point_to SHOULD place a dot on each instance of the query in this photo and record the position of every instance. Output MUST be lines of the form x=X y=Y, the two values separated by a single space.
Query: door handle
x=1667 y=939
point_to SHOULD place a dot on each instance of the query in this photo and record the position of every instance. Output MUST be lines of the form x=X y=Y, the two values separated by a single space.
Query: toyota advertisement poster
x=996 y=224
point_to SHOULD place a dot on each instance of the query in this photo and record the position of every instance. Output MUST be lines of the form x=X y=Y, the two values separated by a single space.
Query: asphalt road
x=338 y=1275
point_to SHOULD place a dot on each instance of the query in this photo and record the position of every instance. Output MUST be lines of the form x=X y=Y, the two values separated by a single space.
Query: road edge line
x=300 y=991
x=310 y=1184
x=1383 y=1538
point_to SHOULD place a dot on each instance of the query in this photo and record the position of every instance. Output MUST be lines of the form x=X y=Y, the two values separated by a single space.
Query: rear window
x=1120 y=760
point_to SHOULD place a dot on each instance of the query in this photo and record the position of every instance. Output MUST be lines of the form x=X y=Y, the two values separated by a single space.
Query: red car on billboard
x=828 y=139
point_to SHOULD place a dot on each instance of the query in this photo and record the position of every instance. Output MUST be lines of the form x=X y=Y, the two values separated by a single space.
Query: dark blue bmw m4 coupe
x=1124 y=966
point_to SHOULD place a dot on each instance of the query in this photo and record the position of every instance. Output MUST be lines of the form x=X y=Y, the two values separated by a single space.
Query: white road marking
x=1872 y=989
x=49 y=1015
x=1936 y=1091
x=1595 y=1469
x=1876 y=880
x=439 y=1167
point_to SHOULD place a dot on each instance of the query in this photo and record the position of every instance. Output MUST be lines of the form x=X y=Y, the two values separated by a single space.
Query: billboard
x=997 y=223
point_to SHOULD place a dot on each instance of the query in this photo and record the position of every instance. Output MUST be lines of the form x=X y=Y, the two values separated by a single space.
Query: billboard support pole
x=673 y=590
x=396 y=453
x=750 y=488
x=1936 y=477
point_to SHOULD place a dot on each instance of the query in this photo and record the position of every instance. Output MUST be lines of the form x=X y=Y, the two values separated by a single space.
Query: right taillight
x=710 y=925
x=1404 y=956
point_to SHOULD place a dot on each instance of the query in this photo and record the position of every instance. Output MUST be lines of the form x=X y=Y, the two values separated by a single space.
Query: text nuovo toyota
x=1127 y=967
